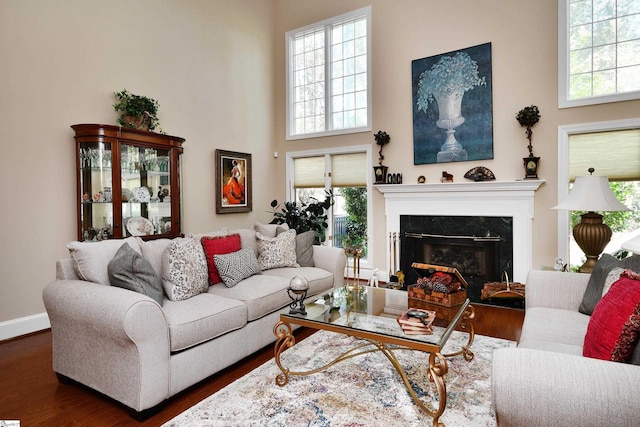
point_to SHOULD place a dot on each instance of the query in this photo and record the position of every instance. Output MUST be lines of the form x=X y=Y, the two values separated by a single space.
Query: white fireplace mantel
x=487 y=198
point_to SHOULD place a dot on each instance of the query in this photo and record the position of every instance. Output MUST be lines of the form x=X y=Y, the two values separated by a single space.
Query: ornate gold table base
x=438 y=367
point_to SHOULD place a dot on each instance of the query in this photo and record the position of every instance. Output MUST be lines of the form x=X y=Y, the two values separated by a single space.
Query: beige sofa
x=546 y=381
x=127 y=346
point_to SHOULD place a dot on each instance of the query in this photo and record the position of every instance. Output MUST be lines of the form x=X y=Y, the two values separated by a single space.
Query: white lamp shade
x=632 y=245
x=591 y=193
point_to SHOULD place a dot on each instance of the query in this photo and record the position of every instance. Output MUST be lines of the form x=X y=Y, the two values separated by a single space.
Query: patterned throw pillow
x=236 y=266
x=184 y=269
x=278 y=251
x=218 y=245
x=614 y=327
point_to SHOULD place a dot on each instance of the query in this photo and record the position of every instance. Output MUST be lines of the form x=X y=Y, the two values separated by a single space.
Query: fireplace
x=480 y=247
x=513 y=200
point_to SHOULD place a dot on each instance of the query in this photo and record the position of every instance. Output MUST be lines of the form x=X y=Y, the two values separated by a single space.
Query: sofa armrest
x=554 y=289
x=331 y=259
x=113 y=340
x=536 y=388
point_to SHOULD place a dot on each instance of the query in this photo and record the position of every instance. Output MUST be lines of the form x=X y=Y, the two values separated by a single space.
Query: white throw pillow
x=184 y=269
x=278 y=251
x=91 y=259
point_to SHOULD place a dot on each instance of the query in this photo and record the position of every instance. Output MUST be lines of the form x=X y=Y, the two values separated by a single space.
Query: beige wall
x=217 y=69
x=523 y=35
x=208 y=63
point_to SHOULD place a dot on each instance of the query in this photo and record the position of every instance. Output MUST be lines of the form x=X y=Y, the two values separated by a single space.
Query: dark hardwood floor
x=30 y=391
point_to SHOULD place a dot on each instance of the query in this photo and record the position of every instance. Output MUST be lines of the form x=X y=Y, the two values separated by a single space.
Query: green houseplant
x=356 y=223
x=528 y=117
x=138 y=112
x=305 y=216
x=380 y=171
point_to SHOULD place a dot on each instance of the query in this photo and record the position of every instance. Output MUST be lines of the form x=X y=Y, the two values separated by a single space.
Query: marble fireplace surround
x=488 y=198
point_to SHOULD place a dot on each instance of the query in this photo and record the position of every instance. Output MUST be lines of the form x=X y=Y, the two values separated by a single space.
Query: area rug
x=362 y=391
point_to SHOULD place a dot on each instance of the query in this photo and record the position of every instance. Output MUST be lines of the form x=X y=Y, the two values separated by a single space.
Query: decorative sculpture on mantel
x=480 y=173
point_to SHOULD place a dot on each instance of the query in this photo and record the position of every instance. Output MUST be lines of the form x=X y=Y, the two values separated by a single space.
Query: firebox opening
x=481 y=248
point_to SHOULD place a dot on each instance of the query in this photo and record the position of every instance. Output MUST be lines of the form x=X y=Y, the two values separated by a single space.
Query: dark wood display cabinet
x=128 y=183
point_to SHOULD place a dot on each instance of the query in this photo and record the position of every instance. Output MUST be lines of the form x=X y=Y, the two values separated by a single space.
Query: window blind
x=615 y=154
x=347 y=170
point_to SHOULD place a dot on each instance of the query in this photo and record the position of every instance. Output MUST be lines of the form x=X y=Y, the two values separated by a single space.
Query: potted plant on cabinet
x=528 y=117
x=380 y=171
x=138 y=112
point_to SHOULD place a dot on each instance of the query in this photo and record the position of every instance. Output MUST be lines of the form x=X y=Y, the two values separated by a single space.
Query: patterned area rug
x=362 y=391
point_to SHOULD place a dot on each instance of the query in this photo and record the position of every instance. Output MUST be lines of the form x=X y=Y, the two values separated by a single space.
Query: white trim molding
x=23 y=325
x=489 y=198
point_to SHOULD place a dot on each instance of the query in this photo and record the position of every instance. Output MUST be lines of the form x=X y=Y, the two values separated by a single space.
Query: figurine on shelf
x=161 y=194
x=373 y=281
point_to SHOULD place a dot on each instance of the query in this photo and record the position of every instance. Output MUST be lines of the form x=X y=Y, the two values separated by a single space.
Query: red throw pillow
x=614 y=327
x=219 y=245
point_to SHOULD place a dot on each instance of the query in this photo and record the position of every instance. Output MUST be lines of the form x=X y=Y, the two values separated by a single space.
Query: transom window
x=328 y=76
x=599 y=51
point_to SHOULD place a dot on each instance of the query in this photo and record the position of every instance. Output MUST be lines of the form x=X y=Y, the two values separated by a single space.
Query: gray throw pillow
x=304 y=248
x=236 y=266
x=129 y=270
x=605 y=264
x=635 y=356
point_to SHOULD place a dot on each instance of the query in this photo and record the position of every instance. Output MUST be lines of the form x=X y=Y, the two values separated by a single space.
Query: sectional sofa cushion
x=91 y=259
x=201 y=318
x=152 y=251
x=261 y=294
x=319 y=280
x=218 y=245
x=270 y=230
x=615 y=323
x=129 y=270
x=276 y=252
x=236 y=266
x=184 y=269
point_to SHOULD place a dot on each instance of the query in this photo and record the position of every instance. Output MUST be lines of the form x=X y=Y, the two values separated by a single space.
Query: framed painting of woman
x=233 y=182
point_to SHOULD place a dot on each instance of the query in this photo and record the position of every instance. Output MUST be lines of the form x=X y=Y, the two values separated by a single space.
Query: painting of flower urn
x=452 y=106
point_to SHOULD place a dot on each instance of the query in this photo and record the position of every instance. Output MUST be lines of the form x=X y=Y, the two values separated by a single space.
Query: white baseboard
x=23 y=325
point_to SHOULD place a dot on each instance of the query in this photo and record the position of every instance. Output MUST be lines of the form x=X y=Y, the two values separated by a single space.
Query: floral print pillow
x=184 y=269
x=276 y=252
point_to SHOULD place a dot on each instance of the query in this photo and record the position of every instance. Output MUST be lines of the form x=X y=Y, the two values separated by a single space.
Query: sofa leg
x=141 y=416
x=64 y=379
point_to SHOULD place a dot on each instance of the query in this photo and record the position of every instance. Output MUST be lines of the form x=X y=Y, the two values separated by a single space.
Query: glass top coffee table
x=371 y=314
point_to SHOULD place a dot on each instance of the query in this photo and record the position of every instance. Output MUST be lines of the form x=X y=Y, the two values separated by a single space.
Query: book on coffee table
x=416 y=321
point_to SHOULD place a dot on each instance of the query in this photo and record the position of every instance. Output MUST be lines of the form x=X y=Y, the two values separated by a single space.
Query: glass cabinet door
x=146 y=191
x=96 y=204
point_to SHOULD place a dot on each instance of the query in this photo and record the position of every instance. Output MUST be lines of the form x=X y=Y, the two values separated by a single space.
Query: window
x=613 y=149
x=328 y=76
x=599 y=51
x=344 y=171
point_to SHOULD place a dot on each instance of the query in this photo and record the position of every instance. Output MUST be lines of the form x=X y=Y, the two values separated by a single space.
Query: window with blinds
x=334 y=170
x=615 y=154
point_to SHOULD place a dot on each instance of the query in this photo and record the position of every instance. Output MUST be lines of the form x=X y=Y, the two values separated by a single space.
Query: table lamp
x=591 y=193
